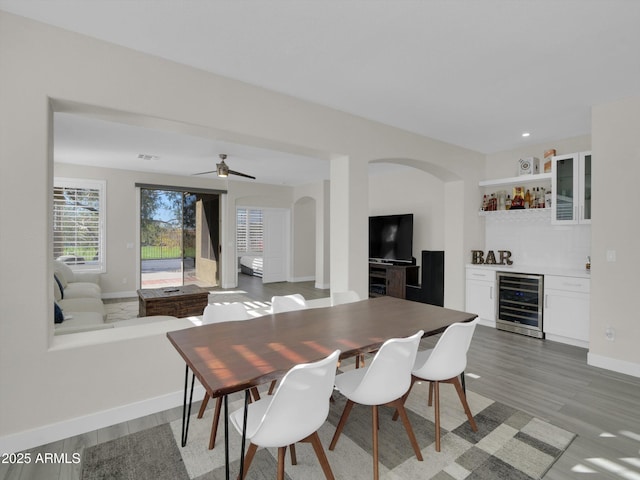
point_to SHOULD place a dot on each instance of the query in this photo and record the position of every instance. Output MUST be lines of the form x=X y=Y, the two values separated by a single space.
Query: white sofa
x=80 y=297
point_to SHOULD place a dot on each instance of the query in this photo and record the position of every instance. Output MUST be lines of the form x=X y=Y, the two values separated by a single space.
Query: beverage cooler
x=520 y=303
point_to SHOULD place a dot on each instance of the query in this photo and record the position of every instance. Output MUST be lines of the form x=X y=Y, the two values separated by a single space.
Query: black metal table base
x=186 y=416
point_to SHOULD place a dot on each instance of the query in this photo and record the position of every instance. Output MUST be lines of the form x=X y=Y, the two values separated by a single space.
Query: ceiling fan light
x=223 y=170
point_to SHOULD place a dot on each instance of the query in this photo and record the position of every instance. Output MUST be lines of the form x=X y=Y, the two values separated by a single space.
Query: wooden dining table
x=229 y=357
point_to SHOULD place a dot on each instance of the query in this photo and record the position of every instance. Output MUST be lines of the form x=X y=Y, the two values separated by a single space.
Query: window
x=249 y=230
x=79 y=223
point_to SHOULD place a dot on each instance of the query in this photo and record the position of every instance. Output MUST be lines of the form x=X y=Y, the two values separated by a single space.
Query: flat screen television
x=391 y=238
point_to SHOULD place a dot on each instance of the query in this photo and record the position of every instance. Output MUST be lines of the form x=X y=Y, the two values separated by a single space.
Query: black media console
x=391 y=280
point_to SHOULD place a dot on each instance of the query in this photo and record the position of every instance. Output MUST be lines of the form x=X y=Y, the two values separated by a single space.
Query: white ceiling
x=84 y=140
x=475 y=73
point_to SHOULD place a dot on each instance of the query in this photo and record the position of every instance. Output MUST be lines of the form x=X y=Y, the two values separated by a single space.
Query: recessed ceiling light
x=145 y=156
x=526 y=134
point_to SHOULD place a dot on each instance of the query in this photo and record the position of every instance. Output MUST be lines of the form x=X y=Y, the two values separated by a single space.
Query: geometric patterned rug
x=509 y=444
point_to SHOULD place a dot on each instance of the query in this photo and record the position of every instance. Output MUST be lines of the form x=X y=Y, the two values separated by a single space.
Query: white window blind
x=78 y=223
x=249 y=230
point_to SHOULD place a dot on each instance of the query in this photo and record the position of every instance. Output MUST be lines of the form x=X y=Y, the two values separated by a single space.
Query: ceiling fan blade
x=204 y=173
x=241 y=174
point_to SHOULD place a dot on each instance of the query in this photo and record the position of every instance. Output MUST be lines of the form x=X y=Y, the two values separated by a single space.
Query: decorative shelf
x=522 y=179
x=519 y=214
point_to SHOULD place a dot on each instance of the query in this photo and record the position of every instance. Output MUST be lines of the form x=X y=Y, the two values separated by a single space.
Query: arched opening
x=434 y=196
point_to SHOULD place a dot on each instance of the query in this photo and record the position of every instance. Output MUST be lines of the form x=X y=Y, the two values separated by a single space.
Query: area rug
x=121 y=310
x=509 y=444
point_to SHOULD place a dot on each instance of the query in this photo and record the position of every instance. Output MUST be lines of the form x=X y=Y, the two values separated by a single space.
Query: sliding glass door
x=179 y=238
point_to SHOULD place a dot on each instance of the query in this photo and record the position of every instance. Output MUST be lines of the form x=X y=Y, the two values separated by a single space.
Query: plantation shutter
x=255 y=231
x=249 y=230
x=78 y=223
x=241 y=230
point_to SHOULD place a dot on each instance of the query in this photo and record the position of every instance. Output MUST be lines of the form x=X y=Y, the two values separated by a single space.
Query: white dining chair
x=444 y=364
x=288 y=303
x=215 y=313
x=224 y=312
x=383 y=382
x=294 y=413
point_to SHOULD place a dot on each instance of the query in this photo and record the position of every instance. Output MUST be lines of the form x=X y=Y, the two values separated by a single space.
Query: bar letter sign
x=478 y=258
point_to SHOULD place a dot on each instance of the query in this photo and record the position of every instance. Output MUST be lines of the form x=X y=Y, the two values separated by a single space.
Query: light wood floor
x=264 y=291
x=549 y=380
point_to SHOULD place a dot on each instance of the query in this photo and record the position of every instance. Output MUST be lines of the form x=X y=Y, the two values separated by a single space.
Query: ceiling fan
x=222 y=169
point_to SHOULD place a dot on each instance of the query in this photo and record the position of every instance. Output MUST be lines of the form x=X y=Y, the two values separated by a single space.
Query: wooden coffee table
x=175 y=301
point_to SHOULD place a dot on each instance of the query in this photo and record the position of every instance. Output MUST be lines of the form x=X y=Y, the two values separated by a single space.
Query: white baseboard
x=17 y=442
x=486 y=322
x=567 y=340
x=323 y=286
x=620 y=366
x=120 y=294
x=303 y=279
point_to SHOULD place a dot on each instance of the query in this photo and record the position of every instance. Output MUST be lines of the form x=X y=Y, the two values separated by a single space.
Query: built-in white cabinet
x=571 y=188
x=566 y=309
x=481 y=294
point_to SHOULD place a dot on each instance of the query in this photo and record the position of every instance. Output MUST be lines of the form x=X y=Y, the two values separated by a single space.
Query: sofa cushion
x=67 y=276
x=64 y=272
x=87 y=277
x=74 y=305
x=82 y=290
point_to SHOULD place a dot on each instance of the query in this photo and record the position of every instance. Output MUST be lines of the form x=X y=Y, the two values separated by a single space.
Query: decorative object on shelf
x=478 y=258
x=547 y=159
x=529 y=166
x=517 y=202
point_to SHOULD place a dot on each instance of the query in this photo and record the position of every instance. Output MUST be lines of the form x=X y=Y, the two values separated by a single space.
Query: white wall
x=615 y=226
x=535 y=242
x=304 y=239
x=412 y=191
x=319 y=192
x=40 y=63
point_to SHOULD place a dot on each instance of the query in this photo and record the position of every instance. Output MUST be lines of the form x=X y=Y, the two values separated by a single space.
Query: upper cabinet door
x=571 y=188
x=585 y=187
x=564 y=189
